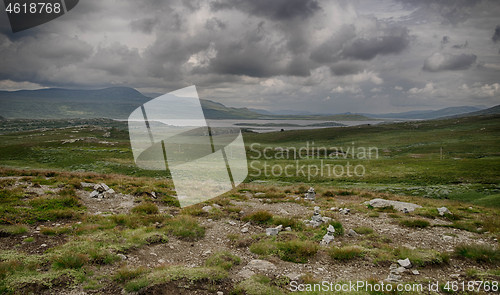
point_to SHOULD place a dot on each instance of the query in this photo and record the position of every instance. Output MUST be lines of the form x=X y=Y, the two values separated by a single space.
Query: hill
x=115 y=103
x=490 y=111
x=427 y=114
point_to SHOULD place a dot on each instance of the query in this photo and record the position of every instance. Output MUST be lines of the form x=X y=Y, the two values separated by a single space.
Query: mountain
x=55 y=103
x=118 y=103
x=489 y=111
x=427 y=114
x=114 y=103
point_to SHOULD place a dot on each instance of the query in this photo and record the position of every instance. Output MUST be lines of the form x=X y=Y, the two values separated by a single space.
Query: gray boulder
x=397 y=205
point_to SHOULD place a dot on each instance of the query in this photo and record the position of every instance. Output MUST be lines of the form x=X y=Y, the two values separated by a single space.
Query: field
x=56 y=238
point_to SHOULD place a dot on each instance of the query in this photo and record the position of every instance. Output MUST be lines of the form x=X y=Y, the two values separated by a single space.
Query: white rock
x=43 y=245
x=393 y=278
x=272 y=231
x=220 y=293
x=443 y=210
x=244 y=230
x=86 y=184
x=352 y=233
x=206 y=209
x=415 y=272
x=245 y=273
x=122 y=257
x=288 y=228
x=94 y=194
x=231 y=222
x=400 y=206
x=406 y=263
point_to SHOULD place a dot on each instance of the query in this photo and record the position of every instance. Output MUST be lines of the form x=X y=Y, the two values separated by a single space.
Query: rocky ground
x=375 y=234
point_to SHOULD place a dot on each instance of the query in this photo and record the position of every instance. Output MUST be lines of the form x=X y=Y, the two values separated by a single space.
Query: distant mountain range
x=114 y=103
x=119 y=102
x=427 y=114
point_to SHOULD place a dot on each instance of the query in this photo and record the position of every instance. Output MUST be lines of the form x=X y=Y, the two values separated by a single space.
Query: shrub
x=70 y=260
x=261 y=217
x=145 y=208
x=185 y=227
x=346 y=252
x=297 y=251
x=478 y=253
x=415 y=223
x=223 y=259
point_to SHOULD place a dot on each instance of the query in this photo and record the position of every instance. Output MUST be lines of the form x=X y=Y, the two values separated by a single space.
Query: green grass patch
x=185 y=227
x=296 y=250
x=479 y=253
x=422 y=257
x=346 y=253
x=261 y=217
x=223 y=259
x=145 y=208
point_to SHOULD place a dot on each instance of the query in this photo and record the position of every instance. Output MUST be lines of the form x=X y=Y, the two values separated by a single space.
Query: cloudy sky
x=309 y=55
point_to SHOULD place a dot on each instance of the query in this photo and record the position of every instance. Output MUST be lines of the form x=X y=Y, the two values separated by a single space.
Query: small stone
x=86 y=184
x=206 y=209
x=288 y=228
x=153 y=194
x=244 y=230
x=415 y=272
x=455 y=276
x=210 y=220
x=393 y=278
x=161 y=261
x=216 y=206
x=261 y=265
x=406 y=263
x=245 y=273
x=327 y=239
x=220 y=293
x=94 y=194
x=352 y=233
x=231 y=222
x=272 y=231
x=43 y=245
x=393 y=266
x=447 y=238
x=443 y=210
x=122 y=257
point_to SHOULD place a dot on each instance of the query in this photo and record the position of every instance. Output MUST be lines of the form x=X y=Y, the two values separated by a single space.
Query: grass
x=346 y=253
x=259 y=217
x=296 y=250
x=15 y=229
x=256 y=285
x=415 y=223
x=422 y=257
x=363 y=230
x=185 y=227
x=145 y=208
x=223 y=259
x=479 y=253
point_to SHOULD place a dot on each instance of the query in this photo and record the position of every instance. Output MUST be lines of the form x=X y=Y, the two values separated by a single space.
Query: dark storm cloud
x=331 y=49
x=346 y=68
x=448 y=62
x=275 y=9
x=368 y=48
x=496 y=35
x=461 y=46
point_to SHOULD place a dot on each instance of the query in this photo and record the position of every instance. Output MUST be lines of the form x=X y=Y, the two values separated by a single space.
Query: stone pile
x=102 y=191
x=317 y=219
x=329 y=237
x=397 y=205
x=310 y=194
x=273 y=231
x=397 y=270
x=443 y=210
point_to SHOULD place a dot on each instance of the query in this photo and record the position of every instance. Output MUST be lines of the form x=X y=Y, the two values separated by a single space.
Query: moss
x=346 y=252
x=223 y=259
x=185 y=227
x=478 y=253
x=297 y=251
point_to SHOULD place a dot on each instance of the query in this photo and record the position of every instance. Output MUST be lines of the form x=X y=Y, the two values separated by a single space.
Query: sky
x=321 y=56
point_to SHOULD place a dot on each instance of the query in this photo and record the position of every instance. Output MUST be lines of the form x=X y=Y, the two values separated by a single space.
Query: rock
x=415 y=272
x=153 y=194
x=272 y=231
x=325 y=219
x=231 y=222
x=43 y=245
x=447 y=238
x=393 y=278
x=393 y=266
x=288 y=228
x=245 y=273
x=206 y=209
x=310 y=194
x=352 y=233
x=216 y=206
x=294 y=276
x=455 y=276
x=316 y=210
x=260 y=194
x=279 y=227
x=327 y=239
x=406 y=263
x=244 y=230
x=220 y=293
x=122 y=257
x=161 y=261
x=111 y=191
x=330 y=230
x=397 y=205
x=260 y=265
x=443 y=210
x=94 y=194
x=344 y=211
x=283 y=212
x=405 y=210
